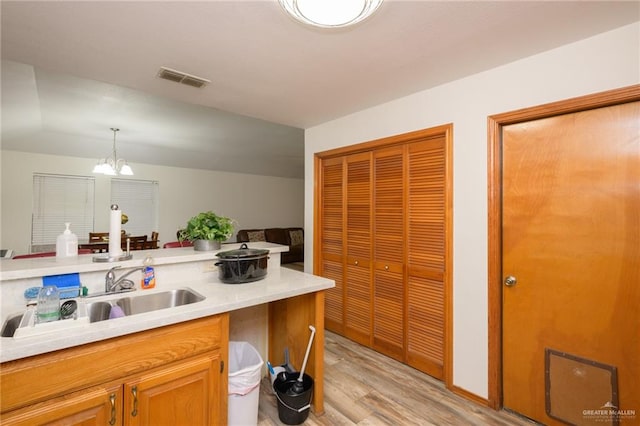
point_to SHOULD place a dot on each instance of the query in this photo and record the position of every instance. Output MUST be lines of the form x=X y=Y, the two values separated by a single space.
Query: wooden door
x=90 y=407
x=357 y=303
x=427 y=252
x=184 y=393
x=571 y=253
x=331 y=212
x=389 y=251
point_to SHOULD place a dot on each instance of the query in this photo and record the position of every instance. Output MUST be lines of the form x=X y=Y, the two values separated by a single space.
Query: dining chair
x=136 y=242
x=153 y=242
x=98 y=237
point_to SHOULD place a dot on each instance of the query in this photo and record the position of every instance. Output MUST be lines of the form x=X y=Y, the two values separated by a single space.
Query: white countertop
x=279 y=284
x=11 y=269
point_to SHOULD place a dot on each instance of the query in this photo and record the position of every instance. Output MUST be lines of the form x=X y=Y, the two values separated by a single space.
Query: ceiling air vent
x=182 y=77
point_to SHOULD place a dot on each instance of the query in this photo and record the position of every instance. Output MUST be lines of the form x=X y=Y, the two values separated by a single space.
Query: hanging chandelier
x=113 y=166
x=330 y=13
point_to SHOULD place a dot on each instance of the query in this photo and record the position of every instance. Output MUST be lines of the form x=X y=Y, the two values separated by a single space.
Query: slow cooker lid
x=242 y=252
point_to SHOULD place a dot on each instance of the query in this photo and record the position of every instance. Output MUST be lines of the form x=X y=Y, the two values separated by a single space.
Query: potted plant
x=207 y=230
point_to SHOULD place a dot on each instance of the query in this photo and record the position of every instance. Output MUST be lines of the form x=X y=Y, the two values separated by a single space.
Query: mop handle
x=306 y=356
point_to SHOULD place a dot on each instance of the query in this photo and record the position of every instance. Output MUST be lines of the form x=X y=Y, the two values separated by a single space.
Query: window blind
x=138 y=199
x=58 y=199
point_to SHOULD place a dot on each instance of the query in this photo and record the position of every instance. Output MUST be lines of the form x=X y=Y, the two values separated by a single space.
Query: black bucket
x=293 y=409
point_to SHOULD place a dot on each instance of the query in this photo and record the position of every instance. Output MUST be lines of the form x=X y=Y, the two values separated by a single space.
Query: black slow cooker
x=242 y=265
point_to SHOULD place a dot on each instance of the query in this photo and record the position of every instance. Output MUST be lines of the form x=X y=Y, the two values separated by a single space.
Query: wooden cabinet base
x=289 y=321
x=85 y=384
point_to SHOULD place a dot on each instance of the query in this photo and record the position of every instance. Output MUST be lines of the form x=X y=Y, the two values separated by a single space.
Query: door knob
x=510 y=281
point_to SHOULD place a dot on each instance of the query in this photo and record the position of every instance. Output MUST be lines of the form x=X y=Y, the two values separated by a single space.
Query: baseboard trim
x=469 y=395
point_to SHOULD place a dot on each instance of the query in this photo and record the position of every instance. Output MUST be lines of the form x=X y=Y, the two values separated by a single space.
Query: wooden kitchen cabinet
x=389 y=201
x=169 y=375
x=186 y=393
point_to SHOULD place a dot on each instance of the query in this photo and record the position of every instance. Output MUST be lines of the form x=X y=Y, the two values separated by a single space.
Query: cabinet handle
x=134 y=391
x=112 y=400
x=355 y=263
x=386 y=267
x=222 y=366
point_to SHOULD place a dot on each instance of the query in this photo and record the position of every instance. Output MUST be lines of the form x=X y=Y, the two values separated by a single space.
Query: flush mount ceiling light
x=113 y=166
x=330 y=13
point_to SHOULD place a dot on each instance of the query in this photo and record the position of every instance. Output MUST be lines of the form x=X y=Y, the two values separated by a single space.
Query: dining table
x=103 y=246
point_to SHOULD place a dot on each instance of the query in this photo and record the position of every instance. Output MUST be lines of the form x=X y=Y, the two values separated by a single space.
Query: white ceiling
x=71 y=70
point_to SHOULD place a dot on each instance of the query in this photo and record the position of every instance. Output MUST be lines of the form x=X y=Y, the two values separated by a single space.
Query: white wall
x=607 y=61
x=253 y=201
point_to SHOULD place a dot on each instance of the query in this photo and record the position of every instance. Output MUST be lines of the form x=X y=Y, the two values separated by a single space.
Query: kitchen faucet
x=111 y=283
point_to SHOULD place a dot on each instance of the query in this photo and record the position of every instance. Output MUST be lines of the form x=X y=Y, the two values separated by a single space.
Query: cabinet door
x=92 y=407
x=183 y=393
x=426 y=215
x=358 y=309
x=331 y=218
x=389 y=252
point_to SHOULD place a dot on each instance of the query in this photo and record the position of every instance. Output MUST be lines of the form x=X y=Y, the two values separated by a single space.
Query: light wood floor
x=363 y=387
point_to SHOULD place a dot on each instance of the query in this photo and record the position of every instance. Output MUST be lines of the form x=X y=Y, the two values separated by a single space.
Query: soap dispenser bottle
x=67 y=244
x=148 y=274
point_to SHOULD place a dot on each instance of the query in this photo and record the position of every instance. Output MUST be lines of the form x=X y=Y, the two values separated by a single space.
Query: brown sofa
x=292 y=237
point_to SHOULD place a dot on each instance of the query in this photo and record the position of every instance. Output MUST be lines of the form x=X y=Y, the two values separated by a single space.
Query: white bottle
x=67 y=244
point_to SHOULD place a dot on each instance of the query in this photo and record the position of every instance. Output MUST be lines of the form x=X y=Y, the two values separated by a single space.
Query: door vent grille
x=182 y=77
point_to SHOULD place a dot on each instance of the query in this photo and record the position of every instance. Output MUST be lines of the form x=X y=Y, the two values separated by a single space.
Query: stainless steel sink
x=11 y=325
x=100 y=311
x=155 y=301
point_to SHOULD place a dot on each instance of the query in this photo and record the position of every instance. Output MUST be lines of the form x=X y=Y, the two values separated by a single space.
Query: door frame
x=494 y=190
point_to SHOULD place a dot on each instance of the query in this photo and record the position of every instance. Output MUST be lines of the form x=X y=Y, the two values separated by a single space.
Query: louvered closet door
x=388 y=282
x=331 y=235
x=426 y=256
x=358 y=246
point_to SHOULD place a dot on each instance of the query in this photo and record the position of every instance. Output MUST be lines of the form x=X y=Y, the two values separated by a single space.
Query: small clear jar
x=48 y=308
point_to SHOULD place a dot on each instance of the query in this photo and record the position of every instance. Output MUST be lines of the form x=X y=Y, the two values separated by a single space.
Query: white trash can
x=245 y=373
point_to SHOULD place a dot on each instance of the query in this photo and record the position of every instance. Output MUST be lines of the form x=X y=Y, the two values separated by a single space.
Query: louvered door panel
x=388 y=298
x=425 y=317
x=332 y=207
x=331 y=237
x=389 y=203
x=388 y=323
x=426 y=255
x=358 y=305
x=358 y=201
x=334 y=300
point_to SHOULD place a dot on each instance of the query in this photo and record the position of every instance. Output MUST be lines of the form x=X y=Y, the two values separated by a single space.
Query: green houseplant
x=207 y=230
